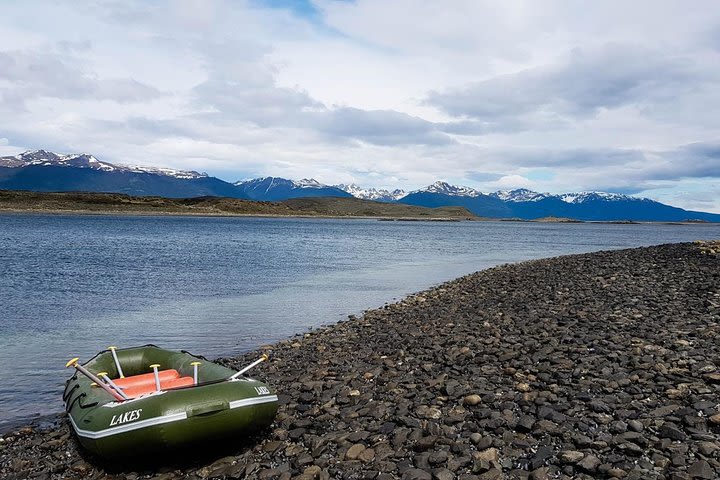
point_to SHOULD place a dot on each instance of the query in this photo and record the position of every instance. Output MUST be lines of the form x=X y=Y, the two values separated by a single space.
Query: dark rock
x=416 y=474
x=701 y=469
x=618 y=427
x=635 y=425
x=541 y=456
x=438 y=457
x=426 y=443
x=589 y=463
x=671 y=432
x=525 y=423
x=443 y=474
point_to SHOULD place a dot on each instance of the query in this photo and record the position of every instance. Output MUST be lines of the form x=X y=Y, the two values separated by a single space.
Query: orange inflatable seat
x=169 y=384
x=146 y=378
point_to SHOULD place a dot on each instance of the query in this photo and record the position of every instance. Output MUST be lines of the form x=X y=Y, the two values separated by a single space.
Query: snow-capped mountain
x=276 y=188
x=519 y=195
x=379 y=195
x=527 y=204
x=525 y=195
x=41 y=170
x=583 y=197
x=84 y=160
x=308 y=183
x=445 y=188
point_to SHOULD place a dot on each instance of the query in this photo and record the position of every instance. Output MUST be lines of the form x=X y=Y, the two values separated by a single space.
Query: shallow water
x=72 y=285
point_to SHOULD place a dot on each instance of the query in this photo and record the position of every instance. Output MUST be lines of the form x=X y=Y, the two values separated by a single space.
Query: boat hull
x=168 y=420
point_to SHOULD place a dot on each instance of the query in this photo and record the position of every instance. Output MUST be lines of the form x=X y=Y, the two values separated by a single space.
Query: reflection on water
x=71 y=285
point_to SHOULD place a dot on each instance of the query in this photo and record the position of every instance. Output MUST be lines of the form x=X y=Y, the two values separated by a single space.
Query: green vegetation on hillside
x=114 y=203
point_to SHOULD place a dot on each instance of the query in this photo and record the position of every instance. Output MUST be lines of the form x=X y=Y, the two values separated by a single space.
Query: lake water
x=72 y=285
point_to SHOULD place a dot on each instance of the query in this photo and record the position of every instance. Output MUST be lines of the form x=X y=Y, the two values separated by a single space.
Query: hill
x=113 y=203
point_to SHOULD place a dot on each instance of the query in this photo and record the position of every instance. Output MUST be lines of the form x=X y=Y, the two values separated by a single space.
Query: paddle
x=262 y=358
x=108 y=380
x=74 y=363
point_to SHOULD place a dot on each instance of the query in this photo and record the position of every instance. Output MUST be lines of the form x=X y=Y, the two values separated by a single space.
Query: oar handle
x=112 y=349
x=155 y=367
x=195 y=366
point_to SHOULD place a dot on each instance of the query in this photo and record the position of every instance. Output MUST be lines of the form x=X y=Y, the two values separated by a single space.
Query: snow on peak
x=85 y=160
x=269 y=183
x=447 y=189
x=168 y=172
x=519 y=195
x=582 y=197
x=307 y=183
x=372 y=193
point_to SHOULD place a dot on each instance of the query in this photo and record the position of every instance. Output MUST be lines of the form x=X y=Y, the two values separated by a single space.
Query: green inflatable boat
x=135 y=401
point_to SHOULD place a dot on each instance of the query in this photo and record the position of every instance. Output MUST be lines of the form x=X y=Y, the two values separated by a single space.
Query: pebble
x=571 y=456
x=354 y=452
x=589 y=463
x=599 y=365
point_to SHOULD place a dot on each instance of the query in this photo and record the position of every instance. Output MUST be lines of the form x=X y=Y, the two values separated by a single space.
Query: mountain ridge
x=42 y=170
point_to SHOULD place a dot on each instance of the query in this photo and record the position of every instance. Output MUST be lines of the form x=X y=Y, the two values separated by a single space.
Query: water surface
x=72 y=285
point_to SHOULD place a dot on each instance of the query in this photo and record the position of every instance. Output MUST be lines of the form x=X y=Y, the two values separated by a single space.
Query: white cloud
x=511 y=182
x=384 y=93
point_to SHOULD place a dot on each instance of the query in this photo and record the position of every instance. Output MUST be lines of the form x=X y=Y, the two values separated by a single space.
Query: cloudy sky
x=556 y=96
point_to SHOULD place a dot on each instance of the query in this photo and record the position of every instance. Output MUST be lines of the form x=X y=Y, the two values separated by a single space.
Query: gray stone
x=416 y=474
x=571 y=456
x=589 y=463
x=701 y=469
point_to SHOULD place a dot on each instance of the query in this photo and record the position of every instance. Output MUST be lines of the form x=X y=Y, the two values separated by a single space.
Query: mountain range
x=46 y=171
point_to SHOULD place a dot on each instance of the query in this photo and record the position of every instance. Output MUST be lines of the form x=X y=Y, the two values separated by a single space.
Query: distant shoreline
x=86 y=203
x=89 y=203
x=119 y=213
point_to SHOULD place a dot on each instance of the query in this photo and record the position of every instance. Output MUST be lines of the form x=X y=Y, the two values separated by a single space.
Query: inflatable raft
x=132 y=401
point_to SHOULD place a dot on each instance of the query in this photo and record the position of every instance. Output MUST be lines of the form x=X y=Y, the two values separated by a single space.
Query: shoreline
x=503 y=373
x=120 y=213
x=114 y=204
x=83 y=203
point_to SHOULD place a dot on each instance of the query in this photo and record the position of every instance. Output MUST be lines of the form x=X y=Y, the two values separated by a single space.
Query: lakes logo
x=126 y=417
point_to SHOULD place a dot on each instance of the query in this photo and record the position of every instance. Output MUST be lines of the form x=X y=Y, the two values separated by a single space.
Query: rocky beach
x=601 y=365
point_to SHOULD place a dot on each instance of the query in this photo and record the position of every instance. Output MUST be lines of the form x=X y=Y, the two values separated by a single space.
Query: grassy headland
x=115 y=203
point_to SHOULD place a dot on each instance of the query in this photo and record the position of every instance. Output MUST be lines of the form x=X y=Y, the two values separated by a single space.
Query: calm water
x=72 y=285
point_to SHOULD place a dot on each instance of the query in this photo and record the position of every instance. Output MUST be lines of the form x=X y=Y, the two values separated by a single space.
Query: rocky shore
x=604 y=365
